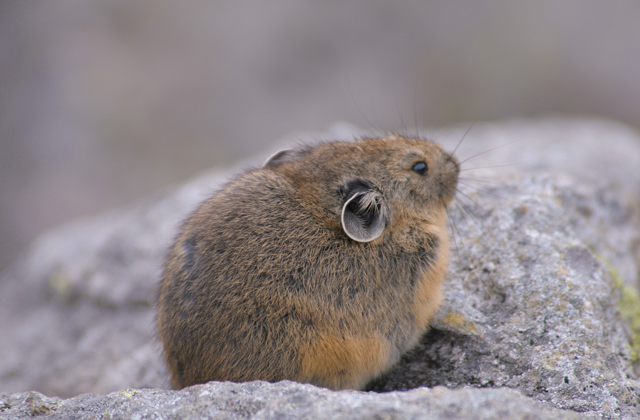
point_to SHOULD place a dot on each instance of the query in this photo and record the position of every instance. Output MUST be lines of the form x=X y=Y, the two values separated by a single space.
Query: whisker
x=399 y=111
x=465 y=209
x=453 y=233
x=415 y=107
x=362 y=114
x=476 y=220
x=461 y=240
x=470 y=199
x=490 y=150
x=497 y=166
x=463 y=136
x=464 y=216
x=482 y=180
x=375 y=117
x=486 y=192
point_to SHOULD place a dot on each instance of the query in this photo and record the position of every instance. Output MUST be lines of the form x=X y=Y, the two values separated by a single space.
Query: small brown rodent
x=323 y=266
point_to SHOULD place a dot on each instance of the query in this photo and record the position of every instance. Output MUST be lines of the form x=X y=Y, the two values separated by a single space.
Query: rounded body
x=264 y=283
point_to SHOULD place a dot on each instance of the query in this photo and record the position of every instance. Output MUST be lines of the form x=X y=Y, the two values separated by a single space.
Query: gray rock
x=541 y=294
x=529 y=305
x=284 y=400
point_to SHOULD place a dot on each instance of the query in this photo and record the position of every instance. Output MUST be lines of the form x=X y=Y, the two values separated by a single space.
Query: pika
x=323 y=266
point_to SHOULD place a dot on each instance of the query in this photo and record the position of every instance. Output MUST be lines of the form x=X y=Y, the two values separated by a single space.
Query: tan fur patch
x=429 y=290
x=340 y=362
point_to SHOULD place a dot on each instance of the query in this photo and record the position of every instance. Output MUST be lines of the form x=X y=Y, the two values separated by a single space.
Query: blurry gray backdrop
x=103 y=102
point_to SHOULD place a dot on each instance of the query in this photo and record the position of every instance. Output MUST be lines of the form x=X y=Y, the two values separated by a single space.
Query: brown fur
x=263 y=282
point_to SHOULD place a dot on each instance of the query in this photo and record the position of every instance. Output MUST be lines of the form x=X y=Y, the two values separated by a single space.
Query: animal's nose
x=452 y=164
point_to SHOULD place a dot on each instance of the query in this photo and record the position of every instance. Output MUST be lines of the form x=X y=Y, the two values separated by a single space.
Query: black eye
x=420 y=167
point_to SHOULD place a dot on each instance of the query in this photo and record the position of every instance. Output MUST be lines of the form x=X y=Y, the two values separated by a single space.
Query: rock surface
x=541 y=294
x=284 y=400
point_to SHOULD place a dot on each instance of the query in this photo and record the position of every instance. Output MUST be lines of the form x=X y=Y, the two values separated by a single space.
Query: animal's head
x=371 y=184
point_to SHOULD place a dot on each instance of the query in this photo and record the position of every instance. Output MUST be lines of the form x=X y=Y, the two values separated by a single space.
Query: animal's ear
x=278 y=158
x=364 y=213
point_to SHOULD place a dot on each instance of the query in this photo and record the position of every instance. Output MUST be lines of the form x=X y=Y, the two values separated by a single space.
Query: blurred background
x=103 y=102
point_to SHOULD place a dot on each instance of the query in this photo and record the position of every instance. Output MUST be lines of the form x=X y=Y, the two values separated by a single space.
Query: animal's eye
x=420 y=167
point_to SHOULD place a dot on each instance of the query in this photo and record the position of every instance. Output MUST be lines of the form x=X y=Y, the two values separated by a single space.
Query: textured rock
x=284 y=400
x=541 y=293
x=535 y=309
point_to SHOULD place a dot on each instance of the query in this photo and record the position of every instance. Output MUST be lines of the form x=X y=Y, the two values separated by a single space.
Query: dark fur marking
x=189 y=257
x=295 y=281
x=428 y=251
x=353 y=187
